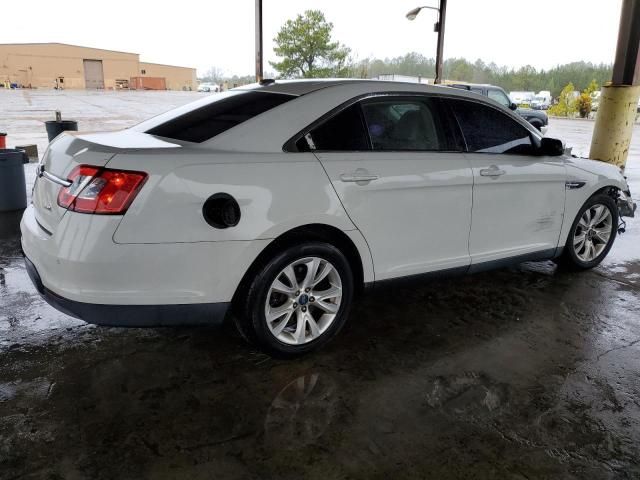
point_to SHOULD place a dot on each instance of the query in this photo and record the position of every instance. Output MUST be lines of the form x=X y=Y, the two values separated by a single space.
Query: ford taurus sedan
x=275 y=204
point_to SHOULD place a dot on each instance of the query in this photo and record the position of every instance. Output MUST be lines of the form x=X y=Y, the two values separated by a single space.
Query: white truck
x=522 y=98
x=542 y=100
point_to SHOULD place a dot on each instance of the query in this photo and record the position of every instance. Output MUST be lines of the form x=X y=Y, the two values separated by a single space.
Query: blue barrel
x=13 y=188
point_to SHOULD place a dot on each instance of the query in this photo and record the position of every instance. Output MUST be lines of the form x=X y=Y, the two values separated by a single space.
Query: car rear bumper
x=132 y=315
x=80 y=261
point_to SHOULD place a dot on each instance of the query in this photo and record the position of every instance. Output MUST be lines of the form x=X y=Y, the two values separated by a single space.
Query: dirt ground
x=523 y=373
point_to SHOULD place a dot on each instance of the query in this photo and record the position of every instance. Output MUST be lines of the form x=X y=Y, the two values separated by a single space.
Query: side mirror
x=551 y=147
x=513 y=106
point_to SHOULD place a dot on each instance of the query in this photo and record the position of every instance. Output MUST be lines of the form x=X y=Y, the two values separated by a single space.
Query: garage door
x=93 y=76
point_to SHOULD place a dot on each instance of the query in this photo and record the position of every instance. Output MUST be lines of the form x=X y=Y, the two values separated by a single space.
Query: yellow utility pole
x=619 y=99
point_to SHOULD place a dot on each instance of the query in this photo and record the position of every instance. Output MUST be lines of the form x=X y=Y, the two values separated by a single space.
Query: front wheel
x=297 y=301
x=592 y=233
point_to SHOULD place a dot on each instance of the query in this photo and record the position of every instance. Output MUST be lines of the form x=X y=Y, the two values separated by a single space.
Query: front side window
x=219 y=116
x=499 y=97
x=404 y=124
x=487 y=130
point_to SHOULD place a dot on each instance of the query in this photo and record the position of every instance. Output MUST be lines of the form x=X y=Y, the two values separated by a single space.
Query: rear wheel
x=592 y=233
x=297 y=301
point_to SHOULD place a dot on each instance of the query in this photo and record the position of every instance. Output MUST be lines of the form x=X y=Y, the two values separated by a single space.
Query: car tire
x=270 y=291
x=575 y=255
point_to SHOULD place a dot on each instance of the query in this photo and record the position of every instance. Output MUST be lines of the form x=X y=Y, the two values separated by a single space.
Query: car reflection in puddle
x=301 y=412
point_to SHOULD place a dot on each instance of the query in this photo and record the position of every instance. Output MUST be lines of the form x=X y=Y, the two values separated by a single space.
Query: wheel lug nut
x=307 y=290
x=295 y=305
x=312 y=299
x=304 y=309
x=297 y=292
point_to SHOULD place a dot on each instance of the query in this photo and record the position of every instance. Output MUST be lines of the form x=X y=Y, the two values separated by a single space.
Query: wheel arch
x=313 y=232
x=610 y=188
x=536 y=122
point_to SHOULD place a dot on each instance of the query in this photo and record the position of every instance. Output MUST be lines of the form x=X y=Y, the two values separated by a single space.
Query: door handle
x=492 y=171
x=359 y=178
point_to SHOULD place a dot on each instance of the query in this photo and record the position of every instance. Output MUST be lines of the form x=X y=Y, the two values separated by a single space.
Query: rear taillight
x=100 y=190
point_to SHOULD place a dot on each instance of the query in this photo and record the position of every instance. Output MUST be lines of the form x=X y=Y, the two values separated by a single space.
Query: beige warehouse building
x=47 y=65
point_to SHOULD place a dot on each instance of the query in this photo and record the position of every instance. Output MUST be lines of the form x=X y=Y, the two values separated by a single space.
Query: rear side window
x=210 y=120
x=343 y=132
x=404 y=123
x=487 y=130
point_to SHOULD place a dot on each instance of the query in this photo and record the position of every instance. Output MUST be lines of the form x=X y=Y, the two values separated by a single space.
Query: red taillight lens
x=100 y=190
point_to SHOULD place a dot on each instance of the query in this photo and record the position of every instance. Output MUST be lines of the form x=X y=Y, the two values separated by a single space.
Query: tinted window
x=343 y=132
x=499 y=97
x=404 y=124
x=488 y=130
x=212 y=119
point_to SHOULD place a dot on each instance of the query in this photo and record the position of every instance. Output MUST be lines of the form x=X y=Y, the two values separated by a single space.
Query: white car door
x=518 y=196
x=389 y=159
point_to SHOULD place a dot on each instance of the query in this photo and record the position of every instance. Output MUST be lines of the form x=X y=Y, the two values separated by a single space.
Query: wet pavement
x=524 y=373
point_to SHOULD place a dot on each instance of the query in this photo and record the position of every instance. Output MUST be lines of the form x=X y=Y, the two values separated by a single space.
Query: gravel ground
x=528 y=372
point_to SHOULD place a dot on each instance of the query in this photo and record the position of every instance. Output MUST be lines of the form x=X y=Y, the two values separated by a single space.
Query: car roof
x=303 y=87
x=314 y=100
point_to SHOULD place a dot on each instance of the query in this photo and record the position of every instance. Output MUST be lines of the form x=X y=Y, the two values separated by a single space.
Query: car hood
x=597 y=167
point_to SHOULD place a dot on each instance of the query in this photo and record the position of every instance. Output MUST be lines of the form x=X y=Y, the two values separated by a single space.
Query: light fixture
x=412 y=14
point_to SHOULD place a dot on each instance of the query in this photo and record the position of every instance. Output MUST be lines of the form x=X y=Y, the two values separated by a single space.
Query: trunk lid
x=69 y=150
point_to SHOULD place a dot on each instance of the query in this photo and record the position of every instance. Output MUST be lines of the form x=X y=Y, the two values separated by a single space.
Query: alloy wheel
x=593 y=232
x=303 y=300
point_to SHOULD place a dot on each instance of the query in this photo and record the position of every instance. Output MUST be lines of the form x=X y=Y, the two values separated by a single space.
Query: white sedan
x=279 y=202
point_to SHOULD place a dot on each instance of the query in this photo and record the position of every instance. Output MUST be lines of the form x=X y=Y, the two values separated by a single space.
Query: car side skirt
x=547 y=254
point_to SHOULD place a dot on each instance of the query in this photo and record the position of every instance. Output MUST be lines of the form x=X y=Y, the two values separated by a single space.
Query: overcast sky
x=542 y=33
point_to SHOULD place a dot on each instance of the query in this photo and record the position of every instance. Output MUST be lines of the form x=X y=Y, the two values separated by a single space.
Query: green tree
x=566 y=106
x=592 y=87
x=306 y=49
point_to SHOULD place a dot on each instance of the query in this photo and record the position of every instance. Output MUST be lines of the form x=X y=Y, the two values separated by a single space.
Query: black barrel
x=13 y=188
x=55 y=128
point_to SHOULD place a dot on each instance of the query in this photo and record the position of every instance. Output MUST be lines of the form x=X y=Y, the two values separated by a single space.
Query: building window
x=143 y=71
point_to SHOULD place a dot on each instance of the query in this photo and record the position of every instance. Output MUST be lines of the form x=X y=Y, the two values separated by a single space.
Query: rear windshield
x=214 y=118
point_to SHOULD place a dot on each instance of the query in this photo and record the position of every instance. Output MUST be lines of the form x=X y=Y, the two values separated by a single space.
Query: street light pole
x=439 y=58
x=438 y=27
x=259 y=72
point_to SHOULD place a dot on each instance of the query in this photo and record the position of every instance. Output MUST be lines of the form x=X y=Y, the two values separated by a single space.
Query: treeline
x=525 y=78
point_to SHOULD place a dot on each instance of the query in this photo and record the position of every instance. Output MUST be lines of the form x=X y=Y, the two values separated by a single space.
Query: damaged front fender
x=626 y=205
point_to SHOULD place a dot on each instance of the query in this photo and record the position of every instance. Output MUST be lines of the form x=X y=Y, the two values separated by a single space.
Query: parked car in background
x=282 y=201
x=522 y=98
x=207 y=87
x=537 y=118
x=542 y=100
x=595 y=101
